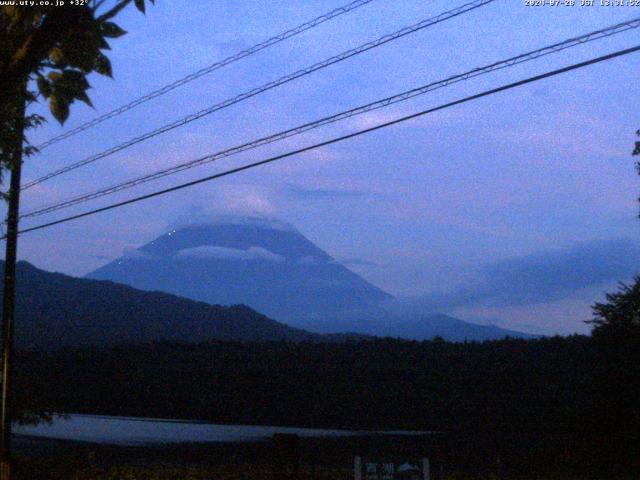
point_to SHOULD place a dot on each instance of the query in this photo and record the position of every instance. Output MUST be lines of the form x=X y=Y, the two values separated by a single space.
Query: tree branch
x=114 y=11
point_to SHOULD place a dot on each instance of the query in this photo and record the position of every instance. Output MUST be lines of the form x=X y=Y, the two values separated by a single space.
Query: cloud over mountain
x=546 y=276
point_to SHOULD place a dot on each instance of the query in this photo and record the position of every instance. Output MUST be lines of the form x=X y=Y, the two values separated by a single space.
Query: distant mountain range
x=270 y=266
x=428 y=326
x=55 y=310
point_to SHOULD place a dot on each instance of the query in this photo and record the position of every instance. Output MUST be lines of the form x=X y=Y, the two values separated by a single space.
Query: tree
x=616 y=416
x=45 y=51
x=57 y=46
x=636 y=151
x=620 y=314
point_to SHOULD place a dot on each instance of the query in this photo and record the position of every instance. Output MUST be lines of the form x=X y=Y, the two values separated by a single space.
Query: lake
x=147 y=431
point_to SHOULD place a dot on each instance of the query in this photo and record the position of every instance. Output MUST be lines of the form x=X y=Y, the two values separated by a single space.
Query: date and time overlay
x=582 y=3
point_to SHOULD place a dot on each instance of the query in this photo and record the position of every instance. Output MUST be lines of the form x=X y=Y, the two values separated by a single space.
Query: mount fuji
x=268 y=265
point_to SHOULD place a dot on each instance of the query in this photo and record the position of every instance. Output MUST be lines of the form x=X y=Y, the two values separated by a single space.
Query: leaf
x=103 y=65
x=81 y=54
x=30 y=96
x=56 y=55
x=68 y=86
x=140 y=5
x=44 y=86
x=83 y=97
x=29 y=151
x=111 y=30
x=59 y=108
x=76 y=78
x=11 y=12
x=34 y=120
x=103 y=44
x=73 y=85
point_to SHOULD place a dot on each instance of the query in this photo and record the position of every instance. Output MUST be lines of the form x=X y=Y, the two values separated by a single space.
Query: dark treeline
x=369 y=384
x=553 y=395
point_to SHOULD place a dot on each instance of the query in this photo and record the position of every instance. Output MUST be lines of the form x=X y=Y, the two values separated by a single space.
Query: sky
x=517 y=209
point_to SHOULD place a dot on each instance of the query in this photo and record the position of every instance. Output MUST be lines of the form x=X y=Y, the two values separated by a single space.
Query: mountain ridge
x=55 y=310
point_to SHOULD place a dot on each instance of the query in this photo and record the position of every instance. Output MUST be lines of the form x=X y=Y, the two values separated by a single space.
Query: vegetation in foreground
x=59 y=471
x=54 y=471
x=531 y=405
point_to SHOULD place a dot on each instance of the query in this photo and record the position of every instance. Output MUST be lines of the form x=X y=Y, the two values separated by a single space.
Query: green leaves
x=140 y=5
x=56 y=55
x=62 y=89
x=59 y=109
x=103 y=65
x=75 y=85
x=112 y=30
x=12 y=12
x=76 y=50
x=79 y=54
x=44 y=86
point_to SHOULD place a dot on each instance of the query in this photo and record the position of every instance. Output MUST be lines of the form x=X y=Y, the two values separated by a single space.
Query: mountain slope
x=265 y=264
x=55 y=310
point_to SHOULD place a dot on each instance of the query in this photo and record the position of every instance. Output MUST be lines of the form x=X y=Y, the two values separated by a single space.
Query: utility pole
x=13 y=158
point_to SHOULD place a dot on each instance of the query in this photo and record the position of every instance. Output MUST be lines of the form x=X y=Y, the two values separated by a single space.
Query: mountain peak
x=232 y=237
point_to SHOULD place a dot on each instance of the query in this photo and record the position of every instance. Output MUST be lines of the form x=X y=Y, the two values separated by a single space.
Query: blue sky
x=446 y=205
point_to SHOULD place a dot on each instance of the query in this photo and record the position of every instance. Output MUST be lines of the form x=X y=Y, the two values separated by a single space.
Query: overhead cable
x=206 y=70
x=268 y=86
x=334 y=140
x=525 y=57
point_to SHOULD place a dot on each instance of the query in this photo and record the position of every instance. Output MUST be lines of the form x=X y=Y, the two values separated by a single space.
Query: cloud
x=543 y=277
x=223 y=253
x=307 y=193
x=556 y=274
x=231 y=204
x=375 y=117
x=203 y=218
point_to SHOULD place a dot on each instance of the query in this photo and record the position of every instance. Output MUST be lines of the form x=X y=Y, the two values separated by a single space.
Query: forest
x=561 y=403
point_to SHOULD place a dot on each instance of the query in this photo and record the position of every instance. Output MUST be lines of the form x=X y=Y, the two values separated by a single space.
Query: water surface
x=146 y=431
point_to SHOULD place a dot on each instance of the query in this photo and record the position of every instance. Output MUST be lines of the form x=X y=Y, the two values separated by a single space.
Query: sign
x=386 y=470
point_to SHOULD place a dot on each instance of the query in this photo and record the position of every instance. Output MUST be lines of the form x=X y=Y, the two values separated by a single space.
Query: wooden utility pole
x=12 y=152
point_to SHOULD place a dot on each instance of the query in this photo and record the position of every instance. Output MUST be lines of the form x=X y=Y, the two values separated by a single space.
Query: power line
x=529 y=56
x=336 y=139
x=268 y=86
x=206 y=70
